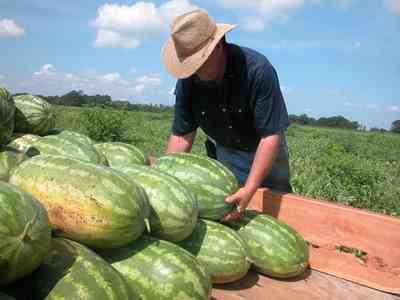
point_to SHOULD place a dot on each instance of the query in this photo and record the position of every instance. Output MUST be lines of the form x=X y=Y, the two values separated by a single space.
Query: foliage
x=102 y=126
x=333 y=122
x=395 y=126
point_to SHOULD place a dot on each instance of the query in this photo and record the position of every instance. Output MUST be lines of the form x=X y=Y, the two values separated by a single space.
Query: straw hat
x=194 y=36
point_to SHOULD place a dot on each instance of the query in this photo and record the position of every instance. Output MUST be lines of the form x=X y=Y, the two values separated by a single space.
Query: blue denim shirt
x=236 y=113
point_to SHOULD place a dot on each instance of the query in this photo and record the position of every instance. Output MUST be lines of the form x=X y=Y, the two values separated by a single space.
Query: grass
x=359 y=169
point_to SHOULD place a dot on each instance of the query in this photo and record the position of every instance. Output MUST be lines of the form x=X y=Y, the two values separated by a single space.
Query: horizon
x=333 y=57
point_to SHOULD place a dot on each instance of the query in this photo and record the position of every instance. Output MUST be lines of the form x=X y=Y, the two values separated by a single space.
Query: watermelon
x=56 y=145
x=161 y=270
x=24 y=233
x=275 y=249
x=88 y=203
x=173 y=207
x=72 y=271
x=22 y=142
x=83 y=139
x=33 y=115
x=9 y=159
x=208 y=179
x=7 y=111
x=118 y=154
x=220 y=249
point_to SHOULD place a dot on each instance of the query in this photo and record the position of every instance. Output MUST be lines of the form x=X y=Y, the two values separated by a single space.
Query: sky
x=333 y=57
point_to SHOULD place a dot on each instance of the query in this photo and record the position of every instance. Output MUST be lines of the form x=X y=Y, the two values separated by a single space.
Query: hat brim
x=187 y=67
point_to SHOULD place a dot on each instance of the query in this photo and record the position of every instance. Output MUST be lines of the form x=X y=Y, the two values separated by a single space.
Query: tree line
x=80 y=99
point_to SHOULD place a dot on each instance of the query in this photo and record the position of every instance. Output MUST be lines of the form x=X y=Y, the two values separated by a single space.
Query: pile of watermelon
x=82 y=220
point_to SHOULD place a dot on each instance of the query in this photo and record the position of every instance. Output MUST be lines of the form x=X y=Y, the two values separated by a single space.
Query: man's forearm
x=266 y=153
x=182 y=143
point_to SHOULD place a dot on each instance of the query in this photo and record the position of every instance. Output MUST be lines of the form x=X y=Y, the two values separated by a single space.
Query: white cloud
x=367 y=106
x=356 y=45
x=111 y=77
x=71 y=77
x=255 y=14
x=147 y=81
x=108 y=38
x=124 y=26
x=47 y=72
x=8 y=28
x=2 y=77
x=393 y=6
x=252 y=24
x=394 y=108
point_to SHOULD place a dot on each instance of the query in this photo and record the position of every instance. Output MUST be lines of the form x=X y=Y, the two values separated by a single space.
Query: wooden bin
x=331 y=229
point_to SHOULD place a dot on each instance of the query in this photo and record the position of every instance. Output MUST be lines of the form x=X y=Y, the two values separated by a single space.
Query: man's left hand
x=241 y=199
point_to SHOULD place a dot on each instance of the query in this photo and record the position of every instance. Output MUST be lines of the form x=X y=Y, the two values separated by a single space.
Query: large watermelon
x=9 y=159
x=83 y=139
x=33 y=115
x=89 y=203
x=7 y=111
x=22 y=142
x=71 y=271
x=160 y=270
x=57 y=145
x=208 y=179
x=121 y=154
x=173 y=207
x=220 y=249
x=24 y=233
x=275 y=249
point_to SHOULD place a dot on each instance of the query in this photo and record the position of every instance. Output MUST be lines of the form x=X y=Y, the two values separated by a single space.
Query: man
x=233 y=94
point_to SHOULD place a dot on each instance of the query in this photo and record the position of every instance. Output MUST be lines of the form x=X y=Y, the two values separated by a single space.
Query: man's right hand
x=152 y=159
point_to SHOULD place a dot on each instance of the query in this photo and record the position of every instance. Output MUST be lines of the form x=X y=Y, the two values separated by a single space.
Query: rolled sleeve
x=270 y=113
x=184 y=121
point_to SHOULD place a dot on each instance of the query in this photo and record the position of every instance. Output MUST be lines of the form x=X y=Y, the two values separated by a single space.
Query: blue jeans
x=240 y=162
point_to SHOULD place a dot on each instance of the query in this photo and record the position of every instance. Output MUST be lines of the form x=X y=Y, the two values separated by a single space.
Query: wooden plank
x=327 y=225
x=313 y=285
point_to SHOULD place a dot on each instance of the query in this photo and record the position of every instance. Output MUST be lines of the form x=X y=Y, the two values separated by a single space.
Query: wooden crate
x=334 y=274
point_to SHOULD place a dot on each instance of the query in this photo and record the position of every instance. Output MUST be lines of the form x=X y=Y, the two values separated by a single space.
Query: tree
x=395 y=126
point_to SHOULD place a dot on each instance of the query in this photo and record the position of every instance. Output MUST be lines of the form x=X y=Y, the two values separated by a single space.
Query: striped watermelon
x=83 y=139
x=24 y=233
x=121 y=154
x=160 y=270
x=220 y=249
x=33 y=115
x=275 y=249
x=173 y=207
x=71 y=271
x=88 y=203
x=9 y=159
x=208 y=179
x=22 y=142
x=56 y=145
x=7 y=111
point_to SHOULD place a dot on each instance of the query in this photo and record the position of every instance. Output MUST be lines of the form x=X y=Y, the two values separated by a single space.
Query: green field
x=359 y=169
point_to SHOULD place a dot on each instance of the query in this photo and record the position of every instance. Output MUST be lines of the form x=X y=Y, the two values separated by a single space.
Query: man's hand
x=151 y=159
x=241 y=199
